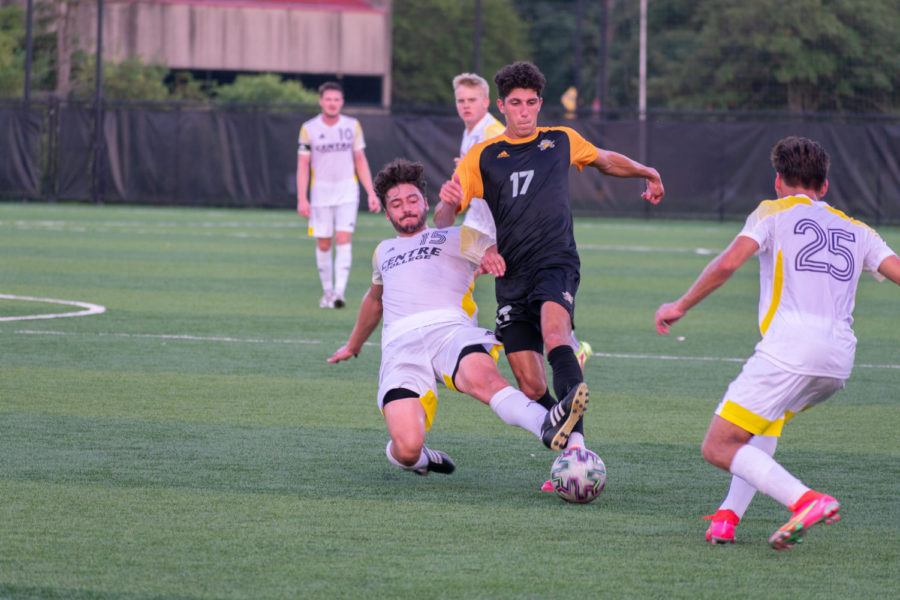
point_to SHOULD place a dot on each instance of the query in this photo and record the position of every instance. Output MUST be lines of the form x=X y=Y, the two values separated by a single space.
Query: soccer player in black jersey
x=523 y=177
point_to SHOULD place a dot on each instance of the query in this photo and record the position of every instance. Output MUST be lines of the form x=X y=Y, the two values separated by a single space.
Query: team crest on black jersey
x=546 y=144
x=568 y=297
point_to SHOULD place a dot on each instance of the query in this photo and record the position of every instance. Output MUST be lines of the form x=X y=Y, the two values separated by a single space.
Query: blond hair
x=472 y=80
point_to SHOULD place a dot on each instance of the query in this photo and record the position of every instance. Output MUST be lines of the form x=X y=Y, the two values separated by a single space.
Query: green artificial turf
x=191 y=442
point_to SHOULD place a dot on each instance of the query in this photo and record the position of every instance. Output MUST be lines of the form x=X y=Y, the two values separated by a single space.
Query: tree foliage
x=12 y=31
x=803 y=55
x=266 y=88
x=798 y=55
x=130 y=79
x=433 y=42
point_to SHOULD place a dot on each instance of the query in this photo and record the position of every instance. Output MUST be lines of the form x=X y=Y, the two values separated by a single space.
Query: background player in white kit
x=811 y=257
x=472 y=100
x=422 y=285
x=331 y=147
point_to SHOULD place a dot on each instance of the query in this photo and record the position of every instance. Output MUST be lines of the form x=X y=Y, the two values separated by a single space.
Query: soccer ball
x=578 y=475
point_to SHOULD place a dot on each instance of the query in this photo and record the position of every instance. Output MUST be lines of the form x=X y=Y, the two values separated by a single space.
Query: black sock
x=547 y=401
x=566 y=372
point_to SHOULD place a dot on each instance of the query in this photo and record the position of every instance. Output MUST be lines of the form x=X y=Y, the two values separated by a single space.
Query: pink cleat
x=721 y=530
x=811 y=509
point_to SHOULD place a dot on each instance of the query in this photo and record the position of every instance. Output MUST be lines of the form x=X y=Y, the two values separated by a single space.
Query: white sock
x=343 y=256
x=740 y=493
x=422 y=462
x=516 y=409
x=576 y=440
x=323 y=261
x=762 y=472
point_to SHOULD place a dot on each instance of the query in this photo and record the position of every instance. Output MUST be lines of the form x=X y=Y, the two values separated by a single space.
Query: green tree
x=803 y=55
x=130 y=79
x=266 y=88
x=12 y=58
x=433 y=42
x=186 y=87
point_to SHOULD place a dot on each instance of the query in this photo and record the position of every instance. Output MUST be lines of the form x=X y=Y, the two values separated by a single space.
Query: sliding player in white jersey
x=331 y=148
x=421 y=285
x=811 y=257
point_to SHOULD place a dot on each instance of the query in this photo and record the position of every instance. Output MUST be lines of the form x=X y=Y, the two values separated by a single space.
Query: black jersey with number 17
x=525 y=183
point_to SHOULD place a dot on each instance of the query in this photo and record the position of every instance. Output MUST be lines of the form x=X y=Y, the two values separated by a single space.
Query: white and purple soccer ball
x=578 y=475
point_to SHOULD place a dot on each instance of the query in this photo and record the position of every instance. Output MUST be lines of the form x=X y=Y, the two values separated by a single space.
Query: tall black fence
x=713 y=166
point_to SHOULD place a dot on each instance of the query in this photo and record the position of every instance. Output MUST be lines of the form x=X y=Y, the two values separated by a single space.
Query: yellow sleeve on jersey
x=582 y=151
x=359 y=142
x=303 y=146
x=478 y=231
x=376 y=272
x=470 y=176
x=473 y=244
x=767 y=208
x=494 y=129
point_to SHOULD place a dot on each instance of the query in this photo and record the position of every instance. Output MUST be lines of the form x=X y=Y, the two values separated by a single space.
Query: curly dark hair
x=801 y=162
x=519 y=75
x=398 y=171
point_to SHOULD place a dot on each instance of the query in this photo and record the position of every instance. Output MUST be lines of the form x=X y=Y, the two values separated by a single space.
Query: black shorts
x=519 y=302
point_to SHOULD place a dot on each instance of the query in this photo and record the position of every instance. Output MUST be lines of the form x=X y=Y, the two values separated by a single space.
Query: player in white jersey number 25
x=811 y=257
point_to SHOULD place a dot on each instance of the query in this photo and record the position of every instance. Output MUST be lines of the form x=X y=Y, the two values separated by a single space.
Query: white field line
x=200 y=338
x=89 y=309
x=167 y=336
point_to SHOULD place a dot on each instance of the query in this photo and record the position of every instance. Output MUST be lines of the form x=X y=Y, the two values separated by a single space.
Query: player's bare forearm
x=365 y=178
x=444 y=215
x=619 y=165
x=302 y=184
x=890 y=268
x=451 y=196
x=492 y=263
x=716 y=273
x=370 y=312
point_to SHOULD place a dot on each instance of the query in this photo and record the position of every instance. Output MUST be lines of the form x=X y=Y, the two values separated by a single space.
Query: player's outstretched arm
x=619 y=165
x=365 y=178
x=451 y=196
x=369 y=316
x=716 y=273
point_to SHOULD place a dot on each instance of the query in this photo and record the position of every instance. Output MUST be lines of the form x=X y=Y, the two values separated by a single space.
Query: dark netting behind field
x=175 y=155
x=20 y=150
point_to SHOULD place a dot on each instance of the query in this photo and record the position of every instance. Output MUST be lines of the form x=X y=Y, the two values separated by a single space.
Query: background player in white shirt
x=422 y=285
x=331 y=147
x=472 y=100
x=811 y=258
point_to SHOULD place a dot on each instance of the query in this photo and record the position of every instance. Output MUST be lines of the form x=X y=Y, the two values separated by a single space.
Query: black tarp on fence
x=187 y=155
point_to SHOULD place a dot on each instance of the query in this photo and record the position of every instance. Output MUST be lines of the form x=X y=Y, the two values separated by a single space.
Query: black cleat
x=438 y=462
x=563 y=417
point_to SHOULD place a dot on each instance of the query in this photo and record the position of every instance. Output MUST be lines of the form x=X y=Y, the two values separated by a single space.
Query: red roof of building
x=332 y=5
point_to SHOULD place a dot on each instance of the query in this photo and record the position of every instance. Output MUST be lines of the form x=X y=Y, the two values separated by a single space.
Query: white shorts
x=417 y=359
x=764 y=396
x=325 y=220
